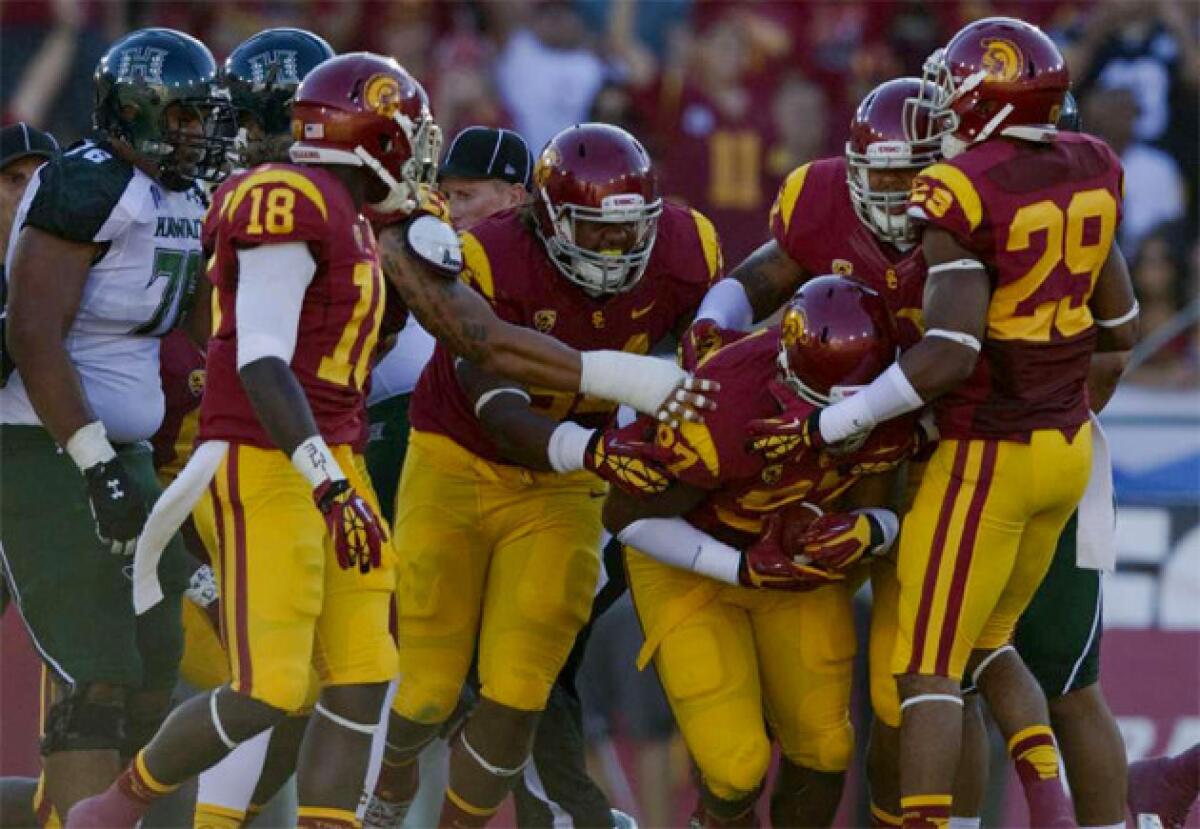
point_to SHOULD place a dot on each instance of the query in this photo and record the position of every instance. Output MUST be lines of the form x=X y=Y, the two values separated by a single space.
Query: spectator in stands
x=1154 y=185
x=801 y=125
x=548 y=72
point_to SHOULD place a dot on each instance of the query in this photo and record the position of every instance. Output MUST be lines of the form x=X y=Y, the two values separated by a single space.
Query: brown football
x=797 y=518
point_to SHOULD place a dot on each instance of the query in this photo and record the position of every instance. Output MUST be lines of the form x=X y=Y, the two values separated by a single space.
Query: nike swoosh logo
x=638 y=313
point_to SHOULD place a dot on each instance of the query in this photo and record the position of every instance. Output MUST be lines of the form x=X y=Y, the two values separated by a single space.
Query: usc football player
x=506 y=556
x=731 y=655
x=1023 y=285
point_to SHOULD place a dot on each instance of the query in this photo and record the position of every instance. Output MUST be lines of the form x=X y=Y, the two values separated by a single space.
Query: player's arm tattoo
x=770 y=277
x=464 y=322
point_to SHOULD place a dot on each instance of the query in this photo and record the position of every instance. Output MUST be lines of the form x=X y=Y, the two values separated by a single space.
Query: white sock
x=965 y=822
x=231 y=782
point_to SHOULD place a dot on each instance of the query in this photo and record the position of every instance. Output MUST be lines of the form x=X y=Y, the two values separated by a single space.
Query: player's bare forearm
x=40 y=312
x=1103 y=376
x=621 y=508
x=279 y=402
x=463 y=321
x=955 y=305
x=521 y=434
x=198 y=325
x=770 y=277
x=1114 y=306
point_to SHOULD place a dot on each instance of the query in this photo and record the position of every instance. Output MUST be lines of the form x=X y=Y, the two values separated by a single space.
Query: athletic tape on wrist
x=89 y=446
x=316 y=463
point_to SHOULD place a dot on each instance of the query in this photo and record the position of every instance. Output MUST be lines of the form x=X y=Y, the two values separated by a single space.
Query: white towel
x=1096 y=547
x=170 y=511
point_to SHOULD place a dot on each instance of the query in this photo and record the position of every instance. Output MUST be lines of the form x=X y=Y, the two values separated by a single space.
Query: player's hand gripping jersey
x=814 y=222
x=1043 y=218
x=507 y=263
x=339 y=321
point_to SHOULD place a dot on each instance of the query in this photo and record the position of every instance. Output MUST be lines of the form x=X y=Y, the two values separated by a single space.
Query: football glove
x=357 y=533
x=796 y=429
x=202 y=592
x=638 y=467
x=767 y=565
x=702 y=338
x=834 y=542
x=116 y=504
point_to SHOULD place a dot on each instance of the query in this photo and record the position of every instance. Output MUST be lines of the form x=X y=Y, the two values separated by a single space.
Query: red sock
x=139 y=785
x=925 y=811
x=1035 y=756
x=457 y=813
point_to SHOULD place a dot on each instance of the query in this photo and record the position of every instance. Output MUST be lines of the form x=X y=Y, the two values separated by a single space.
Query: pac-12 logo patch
x=842 y=267
x=1002 y=60
x=544 y=319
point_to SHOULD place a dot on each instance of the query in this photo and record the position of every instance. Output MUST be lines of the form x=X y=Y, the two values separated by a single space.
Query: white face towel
x=170 y=511
x=1096 y=547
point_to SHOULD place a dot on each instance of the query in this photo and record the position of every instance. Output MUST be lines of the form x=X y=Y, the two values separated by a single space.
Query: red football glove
x=795 y=430
x=702 y=338
x=638 y=467
x=834 y=542
x=357 y=533
x=767 y=565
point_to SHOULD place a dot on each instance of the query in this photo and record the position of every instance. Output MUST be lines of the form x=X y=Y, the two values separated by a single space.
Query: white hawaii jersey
x=136 y=291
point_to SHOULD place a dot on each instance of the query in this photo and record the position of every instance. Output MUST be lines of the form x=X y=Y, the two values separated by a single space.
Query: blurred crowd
x=728 y=97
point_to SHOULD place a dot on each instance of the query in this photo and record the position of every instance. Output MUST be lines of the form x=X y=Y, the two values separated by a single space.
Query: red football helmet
x=879 y=141
x=596 y=173
x=362 y=109
x=998 y=76
x=836 y=335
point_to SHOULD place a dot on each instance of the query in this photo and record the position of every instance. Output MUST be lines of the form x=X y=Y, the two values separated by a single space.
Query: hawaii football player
x=1023 y=286
x=116 y=222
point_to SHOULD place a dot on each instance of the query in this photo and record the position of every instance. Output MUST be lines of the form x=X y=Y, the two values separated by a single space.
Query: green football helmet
x=262 y=75
x=158 y=91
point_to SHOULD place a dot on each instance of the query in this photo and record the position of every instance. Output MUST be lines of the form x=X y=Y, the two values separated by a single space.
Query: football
x=798 y=516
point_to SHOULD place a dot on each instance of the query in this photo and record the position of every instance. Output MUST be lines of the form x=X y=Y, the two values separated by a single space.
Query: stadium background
x=729 y=97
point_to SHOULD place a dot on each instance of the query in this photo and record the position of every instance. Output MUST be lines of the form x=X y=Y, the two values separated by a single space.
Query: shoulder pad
x=78 y=193
x=436 y=244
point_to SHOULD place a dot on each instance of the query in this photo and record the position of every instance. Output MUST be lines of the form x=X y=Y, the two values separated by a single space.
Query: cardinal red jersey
x=814 y=222
x=745 y=487
x=339 y=319
x=1042 y=218
x=507 y=263
x=181 y=368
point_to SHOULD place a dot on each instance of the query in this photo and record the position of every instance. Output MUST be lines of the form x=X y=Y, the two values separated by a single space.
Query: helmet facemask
x=602 y=273
x=883 y=211
x=417 y=173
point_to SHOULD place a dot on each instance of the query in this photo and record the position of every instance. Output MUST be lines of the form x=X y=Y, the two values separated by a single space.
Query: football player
x=732 y=657
x=300 y=586
x=116 y=222
x=506 y=555
x=1023 y=285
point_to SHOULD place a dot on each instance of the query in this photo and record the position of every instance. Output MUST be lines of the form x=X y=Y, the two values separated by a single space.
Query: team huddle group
x=337 y=580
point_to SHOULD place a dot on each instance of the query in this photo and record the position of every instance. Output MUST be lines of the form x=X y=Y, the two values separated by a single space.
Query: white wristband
x=675 y=542
x=316 y=463
x=890 y=525
x=644 y=383
x=888 y=396
x=727 y=305
x=89 y=446
x=568 y=444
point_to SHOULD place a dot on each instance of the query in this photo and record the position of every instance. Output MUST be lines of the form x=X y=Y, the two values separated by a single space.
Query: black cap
x=19 y=140
x=485 y=152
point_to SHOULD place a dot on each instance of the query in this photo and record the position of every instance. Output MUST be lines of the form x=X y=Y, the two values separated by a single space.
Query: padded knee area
x=426 y=700
x=76 y=724
x=735 y=769
x=828 y=750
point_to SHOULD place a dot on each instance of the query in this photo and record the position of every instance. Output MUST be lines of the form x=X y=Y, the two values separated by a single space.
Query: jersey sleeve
x=270 y=206
x=785 y=230
x=943 y=196
x=478 y=274
x=699 y=263
x=83 y=197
